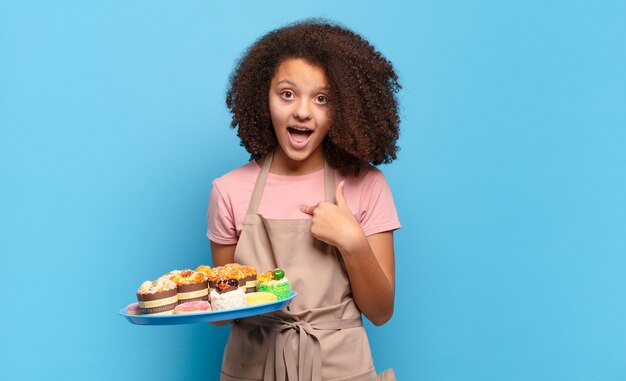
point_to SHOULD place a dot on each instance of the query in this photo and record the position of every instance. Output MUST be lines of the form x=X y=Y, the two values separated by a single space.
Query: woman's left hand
x=369 y=260
x=333 y=223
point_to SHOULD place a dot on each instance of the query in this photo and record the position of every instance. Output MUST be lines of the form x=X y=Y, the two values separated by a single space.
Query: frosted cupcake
x=217 y=274
x=191 y=286
x=158 y=297
x=206 y=270
x=245 y=275
x=250 y=278
x=275 y=282
x=172 y=274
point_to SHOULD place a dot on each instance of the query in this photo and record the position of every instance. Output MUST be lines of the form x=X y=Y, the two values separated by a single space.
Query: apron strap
x=280 y=361
x=329 y=182
x=257 y=193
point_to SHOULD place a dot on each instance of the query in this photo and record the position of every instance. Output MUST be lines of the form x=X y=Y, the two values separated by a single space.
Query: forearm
x=373 y=290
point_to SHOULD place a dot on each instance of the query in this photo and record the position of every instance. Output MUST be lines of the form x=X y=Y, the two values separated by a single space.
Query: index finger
x=308 y=209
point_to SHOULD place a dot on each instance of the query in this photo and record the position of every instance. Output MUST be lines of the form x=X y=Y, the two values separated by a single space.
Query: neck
x=284 y=165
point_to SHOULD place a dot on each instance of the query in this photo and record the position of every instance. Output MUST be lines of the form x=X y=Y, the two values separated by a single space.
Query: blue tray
x=211 y=316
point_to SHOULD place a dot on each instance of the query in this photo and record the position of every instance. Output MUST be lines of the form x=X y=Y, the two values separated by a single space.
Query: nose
x=302 y=110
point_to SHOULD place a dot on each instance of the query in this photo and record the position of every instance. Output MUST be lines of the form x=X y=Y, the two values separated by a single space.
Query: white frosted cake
x=227 y=300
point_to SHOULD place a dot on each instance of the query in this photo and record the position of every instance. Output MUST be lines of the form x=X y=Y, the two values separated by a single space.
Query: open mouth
x=299 y=134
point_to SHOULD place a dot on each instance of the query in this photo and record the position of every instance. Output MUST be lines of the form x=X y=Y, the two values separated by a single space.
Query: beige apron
x=320 y=335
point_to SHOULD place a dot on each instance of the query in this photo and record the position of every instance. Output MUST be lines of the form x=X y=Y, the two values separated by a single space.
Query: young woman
x=314 y=104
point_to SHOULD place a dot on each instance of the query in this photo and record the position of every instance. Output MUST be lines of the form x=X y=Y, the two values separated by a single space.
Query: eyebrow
x=321 y=88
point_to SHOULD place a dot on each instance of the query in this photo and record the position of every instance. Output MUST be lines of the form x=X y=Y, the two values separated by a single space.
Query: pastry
x=206 y=270
x=227 y=295
x=157 y=297
x=132 y=309
x=275 y=282
x=245 y=276
x=172 y=274
x=191 y=285
x=254 y=298
x=250 y=276
x=192 y=307
x=217 y=274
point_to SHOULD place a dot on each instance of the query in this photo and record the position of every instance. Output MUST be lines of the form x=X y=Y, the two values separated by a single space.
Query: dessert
x=157 y=297
x=254 y=298
x=191 y=286
x=250 y=280
x=171 y=274
x=132 y=309
x=275 y=282
x=206 y=270
x=245 y=276
x=192 y=307
x=226 y=287
x=227 y=295
x=217 y=274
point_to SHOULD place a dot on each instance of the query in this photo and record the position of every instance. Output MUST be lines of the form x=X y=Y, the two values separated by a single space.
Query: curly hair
x=364 y=109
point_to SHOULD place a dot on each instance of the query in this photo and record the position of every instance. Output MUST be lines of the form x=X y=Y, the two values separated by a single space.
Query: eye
x=321 y=99
x=286 y=94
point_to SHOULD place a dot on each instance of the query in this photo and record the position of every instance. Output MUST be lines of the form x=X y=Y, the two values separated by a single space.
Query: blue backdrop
x=510 y=183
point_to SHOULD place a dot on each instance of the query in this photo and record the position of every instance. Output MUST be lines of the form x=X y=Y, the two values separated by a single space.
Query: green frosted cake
x=275 y=282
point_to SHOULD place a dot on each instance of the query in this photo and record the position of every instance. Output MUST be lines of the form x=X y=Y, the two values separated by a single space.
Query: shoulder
x=371 y=201
x=366 y=188
x=238 y=178
x=368 y=177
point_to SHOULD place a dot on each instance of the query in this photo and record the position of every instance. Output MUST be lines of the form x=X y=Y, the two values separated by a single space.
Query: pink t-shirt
x=368 y=196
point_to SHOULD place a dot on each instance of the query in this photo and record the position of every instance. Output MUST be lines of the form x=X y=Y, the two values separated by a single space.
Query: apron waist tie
x=280 y=361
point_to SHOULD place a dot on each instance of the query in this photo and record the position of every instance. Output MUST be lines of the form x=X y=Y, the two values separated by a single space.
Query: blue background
x=510 y=183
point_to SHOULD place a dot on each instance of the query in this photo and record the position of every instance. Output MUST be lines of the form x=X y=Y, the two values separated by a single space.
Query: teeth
x=304 y=129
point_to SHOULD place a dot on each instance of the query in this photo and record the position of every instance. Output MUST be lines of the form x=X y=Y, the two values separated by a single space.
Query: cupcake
x=216 y=274
x=191 y=286
x=221 y=275
x=172 y=274
x=227 y=295
x=275 y=282
x=192 y=307
x=206 y=270
x=249 y=274
x=245 y=275
x=157 y=297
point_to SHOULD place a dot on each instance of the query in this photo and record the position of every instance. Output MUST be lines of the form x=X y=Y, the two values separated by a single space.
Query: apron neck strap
x=329 y=182
x=257 y=193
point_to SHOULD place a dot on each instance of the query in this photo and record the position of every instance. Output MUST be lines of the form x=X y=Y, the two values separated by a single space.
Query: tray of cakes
x=206 y=295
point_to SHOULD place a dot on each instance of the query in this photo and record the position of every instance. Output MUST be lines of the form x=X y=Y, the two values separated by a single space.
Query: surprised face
x=300 y=113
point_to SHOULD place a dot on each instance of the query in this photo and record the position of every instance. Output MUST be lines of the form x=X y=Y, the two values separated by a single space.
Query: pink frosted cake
x=192 y=307
x=133 y=309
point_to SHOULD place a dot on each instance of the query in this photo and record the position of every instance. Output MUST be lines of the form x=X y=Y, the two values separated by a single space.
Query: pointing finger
x=307 y=209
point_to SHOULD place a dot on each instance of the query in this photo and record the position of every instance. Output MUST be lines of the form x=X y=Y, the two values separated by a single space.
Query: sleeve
x=378 y=210
x=220 y=220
